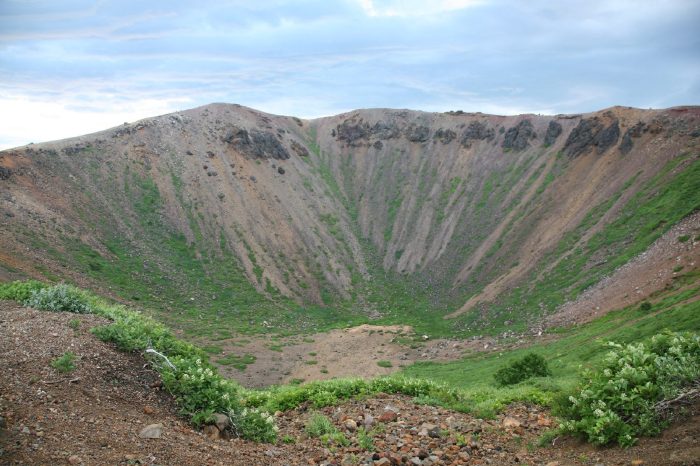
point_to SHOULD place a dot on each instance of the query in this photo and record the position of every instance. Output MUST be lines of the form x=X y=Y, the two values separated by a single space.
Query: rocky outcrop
x=256 y=144
x=590 y=133
x=353 y=132
x=518 y=137
x=476 y=131
x=5 y=173
x=632 y=132
x=299 y=149
x=553 y=132
x=417 y=133
x=445 y=136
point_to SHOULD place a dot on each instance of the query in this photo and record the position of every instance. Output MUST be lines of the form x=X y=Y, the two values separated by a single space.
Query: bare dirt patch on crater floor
x=362 y=351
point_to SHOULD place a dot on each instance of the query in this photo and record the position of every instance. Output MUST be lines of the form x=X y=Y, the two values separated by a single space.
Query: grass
x=576 y=347
x=64 y=363
x=384 y=363
x=239 y=362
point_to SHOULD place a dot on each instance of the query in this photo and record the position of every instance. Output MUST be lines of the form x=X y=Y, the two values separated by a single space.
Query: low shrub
x=20 y=290
x=621 y=401
x=59 y=298
x=319 y=425
x=64 y=363
x=530 y=365
x=255 y=425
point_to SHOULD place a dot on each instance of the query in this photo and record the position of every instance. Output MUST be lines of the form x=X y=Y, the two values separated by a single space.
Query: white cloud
x=24 y=120
x=408 y=8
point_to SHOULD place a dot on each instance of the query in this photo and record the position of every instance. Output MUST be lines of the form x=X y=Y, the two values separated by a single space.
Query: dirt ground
x=350 y=352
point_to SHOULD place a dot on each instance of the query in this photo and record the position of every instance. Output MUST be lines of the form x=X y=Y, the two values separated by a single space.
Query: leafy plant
x=64 y=363
x=384 y=363
x=255 y=425
x=74 y=324
x=60 y=298
x=530 y=365
x=20 y=290
x=623 y=399
x=364 y=439
x=319 y=425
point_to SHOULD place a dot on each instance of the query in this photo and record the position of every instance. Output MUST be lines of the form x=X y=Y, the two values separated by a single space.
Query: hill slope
x=255 y=222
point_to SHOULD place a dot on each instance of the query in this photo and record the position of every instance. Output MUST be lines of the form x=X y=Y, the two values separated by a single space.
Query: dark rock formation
x=518 y=137
x=608 y=137
x=280 y=170
x=5 y=173
x=257 y=144
x=632 y=132
x=589 y=133
x=353 y=132
x=383 y=130
x=553 y=131
x=445 y=136
x=476 y=131
x=417 y=133
x=300 y=150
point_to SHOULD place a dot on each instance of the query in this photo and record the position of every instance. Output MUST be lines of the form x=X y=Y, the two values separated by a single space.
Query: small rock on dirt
x=221 y=421
x=509 y=421
x=151 y=431
x=74 y=459
x=212 y=432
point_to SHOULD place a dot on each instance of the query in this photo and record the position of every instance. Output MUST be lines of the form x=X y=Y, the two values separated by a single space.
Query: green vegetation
x=576 y=346
x=239 y=362
x=319 y=425
x=529 y=366
x=383 y=363
x=60 y=298
x=65 y=363
x=74 y=324
x=200 y=391
x=621 y=399
x=19 y=290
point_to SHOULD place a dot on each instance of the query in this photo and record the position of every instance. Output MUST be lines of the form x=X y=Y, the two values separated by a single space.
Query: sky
x=73 y=67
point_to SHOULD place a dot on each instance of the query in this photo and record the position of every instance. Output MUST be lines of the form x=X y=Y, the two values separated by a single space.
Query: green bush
x=59 y=298
x=18 y=290
x=619 y=402
x=384 y=363
x=255 y=425
x=645 y=306
x=64 y=363
x=319 y=425
x=530 y=365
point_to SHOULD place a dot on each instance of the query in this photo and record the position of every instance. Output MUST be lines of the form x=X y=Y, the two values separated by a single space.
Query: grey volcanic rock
x=256 y=144
x=589 y=133
x=353 y=132
x=518 y=137
x=445 y=136
x=383 y=130
x=607 y=137
x=476 y=131
x=632 y=132
x=417 y=133
x=554 y=130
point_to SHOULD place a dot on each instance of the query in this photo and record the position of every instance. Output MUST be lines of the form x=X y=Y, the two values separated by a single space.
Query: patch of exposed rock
x=553 y=132
x=518 y=137
x=590 y=133
x=476 y=131
x=256 y=144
